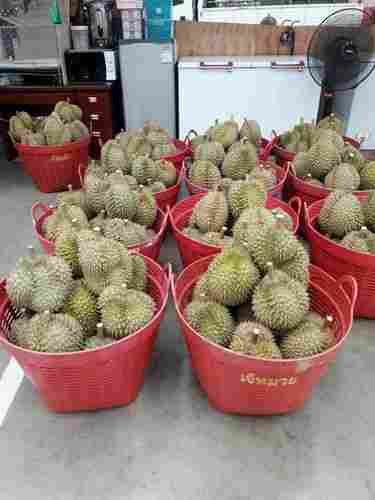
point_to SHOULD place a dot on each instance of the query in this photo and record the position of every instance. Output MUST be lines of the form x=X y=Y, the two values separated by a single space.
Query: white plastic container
x=80 y=37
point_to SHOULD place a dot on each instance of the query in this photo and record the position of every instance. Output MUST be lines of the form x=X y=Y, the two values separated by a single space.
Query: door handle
x=299 y=66
x=224 y=67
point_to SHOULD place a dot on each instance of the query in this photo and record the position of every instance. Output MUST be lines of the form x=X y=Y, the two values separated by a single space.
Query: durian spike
x=100 y=330
x=31 y=250
x=256 y=334
x=22 y=311
x=149 y=181
x=118 y=171
x=124 y=286
x=224 y=229
x=97 y=230
x=269 y=266
x=75 y=223
x=364 y=229
x=328 y=321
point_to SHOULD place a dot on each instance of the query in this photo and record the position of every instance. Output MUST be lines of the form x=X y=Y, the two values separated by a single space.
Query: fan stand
x=325 y=103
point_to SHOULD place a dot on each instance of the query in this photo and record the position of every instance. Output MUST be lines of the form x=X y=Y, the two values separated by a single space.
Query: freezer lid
x=233 y=62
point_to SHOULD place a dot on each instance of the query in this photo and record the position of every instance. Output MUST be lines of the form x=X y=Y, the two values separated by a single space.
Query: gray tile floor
x=169 y=444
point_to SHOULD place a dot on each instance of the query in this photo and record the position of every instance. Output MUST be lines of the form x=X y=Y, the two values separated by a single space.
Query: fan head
x=341 y=51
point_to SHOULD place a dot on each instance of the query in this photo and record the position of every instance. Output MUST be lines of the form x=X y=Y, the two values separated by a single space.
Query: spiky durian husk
x=205 y=174
x=78 y=130
x=126 y=232
x=66 y=246
x=144 y=170
x=81 y=305
x=95 y=189
x=251 y=130
x=26 y=119
x=255 y=339
x=239 y=162
x=250 y=193
x=367 y=176
x=211 y=212
x=146 y=209
x=16 y=128
x=213 y=321
x=302 y=165
x=54 y=129
x=332 y=122
x=351 y=155
x=113 y=157
x=138 y=145
x=211 y=151
x=307 y=339
x=120 y=202
x=161 y=150
x=344 y=176
x=139 y=279
x=323 y=157
x=158 y=136
x=63 y=334
x=368 y=209
x=340 y=214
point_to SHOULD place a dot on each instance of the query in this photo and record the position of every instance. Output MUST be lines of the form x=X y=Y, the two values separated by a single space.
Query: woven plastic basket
x=151 y=249
x=339 y=261
x=276 y=191
x=191 y=250
x=105 y=377
x=53 y=168
x=236 y=383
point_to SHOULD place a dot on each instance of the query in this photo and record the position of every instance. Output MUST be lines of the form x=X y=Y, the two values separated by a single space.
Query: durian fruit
x=280 y=302
x=138 y=145
x=124 y=231
x=62 y=334
x=254 y=339
x=39 y=283
x=98 y=340
x=38 y=123
x=98 y=255
x=341 y=213
x=265 y=173
x=77 y=112
x=66 y=247
x=213 y=321
x=360 y=241
x=251 y=130
x=158 y=135
x=211 y=212
x=78 y=130
x=150 y=125
x=81 y=305
x=76 y=198
x=33 y=138
x=250 y=193
x=146 y=209
x=225 y=133
x=197 y=140
x=98 y=221
x=30 y=336
x=308 y=339
x=95 y=189
x=161 y=150
x=217 y=238
x=240 y=161
x=144 y=170
x=66 y=135
x=156 y=187
x=201 y=292
x=61 y=219
x=20 y=329
x=125 y=312
x=283 y=218
x=367 y=175
x=323 y=157
x=321 y=134
x=123 y=138
x=351 y=155
x=65 y=111
x=232 y=276
x=26 y=119
x=368 y=209
x=167 y=173
x=332 y=122
x=211 y=151
x=192 y=232
x=302 y=165
x=120 y=202
x=205 y=174
x=344 y=176
x=139 y=274
x=17 y=128
x=113 y=158
x=54 y=129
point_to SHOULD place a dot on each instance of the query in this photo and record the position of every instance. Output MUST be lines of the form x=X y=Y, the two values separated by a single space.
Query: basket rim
x=225 y=350
x=53 y=148
x=159 y=312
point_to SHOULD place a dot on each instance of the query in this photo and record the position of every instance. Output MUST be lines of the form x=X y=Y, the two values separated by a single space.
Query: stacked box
x=132 y=24
x=159 y=20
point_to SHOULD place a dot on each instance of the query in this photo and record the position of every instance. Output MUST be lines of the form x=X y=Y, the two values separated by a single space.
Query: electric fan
x=340 y=54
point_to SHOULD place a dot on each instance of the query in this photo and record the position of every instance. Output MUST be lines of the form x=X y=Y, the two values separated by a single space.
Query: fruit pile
x=228 y=153
x=99 y=299
x=217 y=217
x=62 y=126
x=348 y=222
x=252 y=301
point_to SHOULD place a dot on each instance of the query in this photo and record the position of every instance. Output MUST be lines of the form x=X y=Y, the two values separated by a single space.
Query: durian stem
x=100 y=330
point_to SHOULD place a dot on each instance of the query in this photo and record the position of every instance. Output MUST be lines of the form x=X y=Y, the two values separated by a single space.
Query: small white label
x=110 y=68
x=166 y=55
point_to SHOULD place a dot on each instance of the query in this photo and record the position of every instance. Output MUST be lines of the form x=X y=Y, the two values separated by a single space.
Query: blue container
x=158 y=20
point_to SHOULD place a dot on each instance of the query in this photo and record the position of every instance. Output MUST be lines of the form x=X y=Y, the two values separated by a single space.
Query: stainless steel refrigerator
x=148 y=83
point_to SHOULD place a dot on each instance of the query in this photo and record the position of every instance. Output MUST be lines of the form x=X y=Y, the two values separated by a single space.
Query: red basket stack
x=105 y=377
x=236 y=383
x=53 y=168
x=339 y=261
x=191 y=250
x=151 y=249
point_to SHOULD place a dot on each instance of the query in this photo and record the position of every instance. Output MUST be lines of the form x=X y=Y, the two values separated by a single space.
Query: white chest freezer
x=275 y=91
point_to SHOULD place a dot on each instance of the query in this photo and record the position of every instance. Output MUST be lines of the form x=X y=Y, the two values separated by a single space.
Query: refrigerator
x=274 y=90
x=147 y=72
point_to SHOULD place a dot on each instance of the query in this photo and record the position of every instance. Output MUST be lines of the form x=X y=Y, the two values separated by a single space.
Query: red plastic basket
x=339 y=261
x=276 y=191
x=53 y=168
x=191 y=250
x=236 y=383
x=151 y=249
x=105 y=377
x=183 y=151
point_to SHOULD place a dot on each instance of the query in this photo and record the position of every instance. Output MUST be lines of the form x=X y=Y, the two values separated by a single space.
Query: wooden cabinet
x=101 y=105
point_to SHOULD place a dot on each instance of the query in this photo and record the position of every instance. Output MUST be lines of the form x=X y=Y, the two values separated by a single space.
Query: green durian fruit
x=139 y=279
x=321 y=134
x=232 y=276
x=225 y=133
x=33 y=138
x=77 y=112
x=280 y=302
x=251 y=129
x=301 y=165
x=201 y=292
x=98 y=256
x=193 y=233
x=218 y=239
x=205 y=174
x=323 y=157
x=351 y=155
x=123 y=138
x=38 y=325
x=78 y=130
x=240 y=161
x=98 y=221
x=120 y=202
x=54 y=129
x=113 y=158
x=344 y=176
x=307 y=339
x=95 y=189
x=61 y=220
x=167 y=173
x=302 y=147
x=197 y=140
x=254 y=339
x=65 y=111
x=332 y=122
x=20 y=330
x=156 y=187
x=360 y=241
x=158 y=136
x=76 y=198
x=211 y=212
x=298 y=266
x=146 y=209
x=144 y=170
x=264 y=173
x=138 y=145
x=283 y=218
x=63 y=334
x=98 y=340
x=341 y=213
x=161 y=150
x=66 y=247
x=250 y=193
x=368 y=209
x=150 y=125
x=17 y=129
x=81 y=305
x=26 y=119
x=124 y=231
x=38 y=123
x=251 y=229
x=367 y=176
x=213 y=321
x=210 y=151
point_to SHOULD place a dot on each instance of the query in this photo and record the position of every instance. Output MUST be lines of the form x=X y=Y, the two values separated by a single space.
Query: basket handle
x=267 y=150
x=188 y=135
x=34 y=211
x=296 y=204
x=350 y=287
x=307 y=215
x=81 y=173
